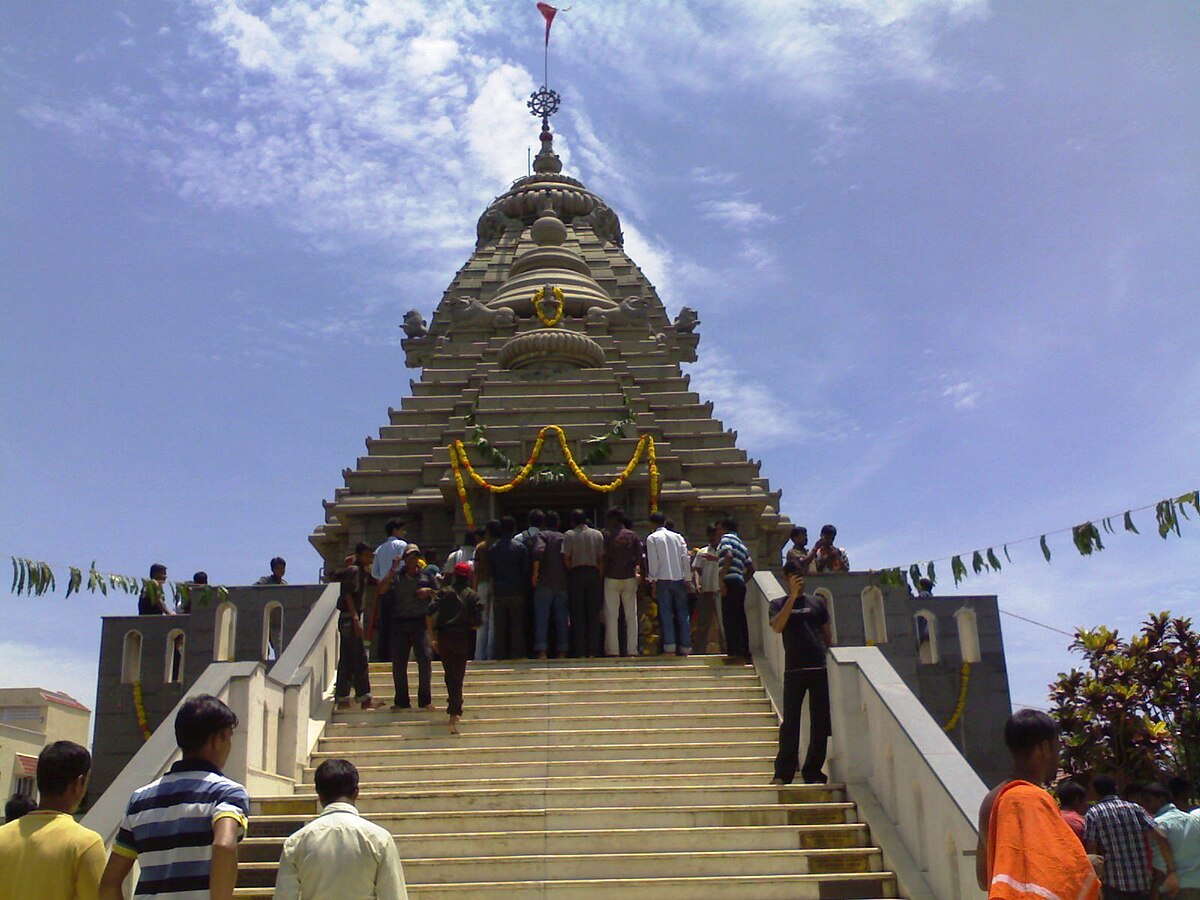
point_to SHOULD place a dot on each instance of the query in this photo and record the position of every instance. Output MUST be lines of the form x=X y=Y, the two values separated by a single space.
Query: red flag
x=548 y=13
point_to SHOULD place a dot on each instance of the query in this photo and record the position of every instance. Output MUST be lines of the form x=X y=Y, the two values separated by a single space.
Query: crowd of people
x=1142 y=843
x=544 y=591
x=183 y=829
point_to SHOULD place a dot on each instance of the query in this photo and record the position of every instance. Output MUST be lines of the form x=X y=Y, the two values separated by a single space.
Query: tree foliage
x=1134 y=708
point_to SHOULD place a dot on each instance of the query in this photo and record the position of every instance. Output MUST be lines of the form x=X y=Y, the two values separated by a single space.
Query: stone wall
x=980 y=731
x=118 y=736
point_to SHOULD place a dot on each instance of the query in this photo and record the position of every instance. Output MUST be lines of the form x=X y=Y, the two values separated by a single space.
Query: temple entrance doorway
x=562 y=498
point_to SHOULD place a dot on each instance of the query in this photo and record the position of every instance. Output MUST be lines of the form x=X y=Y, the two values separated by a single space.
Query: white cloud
x=711 y=177
x=818 y=50
x=737 y=213
x=654 y=259
x=498 y=125
x=388 y=121
x=756 y=410
x=963 y=395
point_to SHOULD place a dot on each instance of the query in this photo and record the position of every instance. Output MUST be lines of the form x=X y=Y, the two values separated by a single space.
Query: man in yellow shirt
x=46 y=854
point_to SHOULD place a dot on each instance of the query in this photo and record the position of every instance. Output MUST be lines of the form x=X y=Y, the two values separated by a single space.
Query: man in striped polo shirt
x=736 y=566
x=184 y=828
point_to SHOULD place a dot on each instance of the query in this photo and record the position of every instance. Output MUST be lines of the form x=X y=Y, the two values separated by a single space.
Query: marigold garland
x=540 y=295
x=140 y=708
x=964 y=680
x=645 y=446
x=462 y=488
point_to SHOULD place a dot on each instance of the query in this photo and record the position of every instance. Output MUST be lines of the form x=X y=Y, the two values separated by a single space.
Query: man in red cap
x=454 y=614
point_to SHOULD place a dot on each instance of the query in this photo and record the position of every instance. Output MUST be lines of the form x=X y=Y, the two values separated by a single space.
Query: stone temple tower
x=497 y=364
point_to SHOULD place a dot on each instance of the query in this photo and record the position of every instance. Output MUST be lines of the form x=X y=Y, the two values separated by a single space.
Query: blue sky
x=945 y=255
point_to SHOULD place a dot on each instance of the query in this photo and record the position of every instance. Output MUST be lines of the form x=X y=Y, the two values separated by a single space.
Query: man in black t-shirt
x=353 y=670
x=804 y=624
x=454 y=614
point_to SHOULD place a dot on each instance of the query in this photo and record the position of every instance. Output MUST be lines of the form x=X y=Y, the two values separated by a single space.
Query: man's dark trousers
x=585 y=597
x=814 y=683
x=454 y=646
x=382 y=650
x=1111 y=893
x=352 y=668
x=733 y=611
x=508 y=626
x=411 y=635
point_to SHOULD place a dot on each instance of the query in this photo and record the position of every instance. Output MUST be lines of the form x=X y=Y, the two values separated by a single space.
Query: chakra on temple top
x=543 y=103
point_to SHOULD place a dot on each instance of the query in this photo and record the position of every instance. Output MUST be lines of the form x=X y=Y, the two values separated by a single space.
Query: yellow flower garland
x=965 y=679
x=645 y=446
x=462 y=488
x=539 y=295
x=140 y=708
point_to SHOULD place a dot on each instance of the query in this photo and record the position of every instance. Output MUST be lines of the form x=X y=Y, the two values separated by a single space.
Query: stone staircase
x=630 y=778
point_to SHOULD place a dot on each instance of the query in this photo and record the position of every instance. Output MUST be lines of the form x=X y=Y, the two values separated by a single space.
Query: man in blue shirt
x=507 y=564
x=1182 y=832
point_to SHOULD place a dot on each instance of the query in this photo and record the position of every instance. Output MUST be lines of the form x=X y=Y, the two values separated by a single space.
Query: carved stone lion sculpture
x=633 y=311
x=687 y=320
x=464 y=310
x=415 y=325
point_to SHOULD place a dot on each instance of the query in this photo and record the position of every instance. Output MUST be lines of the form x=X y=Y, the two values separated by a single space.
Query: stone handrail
x=281 y=714
x=912 y=787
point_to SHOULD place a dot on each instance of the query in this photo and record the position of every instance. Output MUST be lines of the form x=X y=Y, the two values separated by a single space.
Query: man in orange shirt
x=1025 y=847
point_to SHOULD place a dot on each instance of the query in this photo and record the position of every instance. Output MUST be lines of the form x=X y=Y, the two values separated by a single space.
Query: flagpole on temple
x=544 y=102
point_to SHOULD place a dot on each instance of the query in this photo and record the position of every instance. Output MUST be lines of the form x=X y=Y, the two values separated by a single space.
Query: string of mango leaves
x=1086 y=537
x=34 y=578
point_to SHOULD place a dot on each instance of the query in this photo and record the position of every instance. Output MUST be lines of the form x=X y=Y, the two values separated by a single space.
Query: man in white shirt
x=667 y=567
x=385 y=554
x=706 y=576
x=340 y=854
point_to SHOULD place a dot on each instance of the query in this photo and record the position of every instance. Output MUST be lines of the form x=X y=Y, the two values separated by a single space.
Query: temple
x=550 y=361
x=494 y=372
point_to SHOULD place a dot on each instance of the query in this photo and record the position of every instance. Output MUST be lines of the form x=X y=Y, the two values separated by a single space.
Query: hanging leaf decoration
x=1087 y=538
x=914 y=574
x=931 y=573
x=1006 y=556
x=1129 y=526
x=992 y=560
x=977 y=563
x=1045 y=548
x=1167 y=520
x=957 y=569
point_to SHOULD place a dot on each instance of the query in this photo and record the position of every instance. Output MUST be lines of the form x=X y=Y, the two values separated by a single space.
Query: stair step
x=616 y=840
x=269 y=823
x=573 y=698
x=615 y=688
x=862 y=886
x=541 y=750
x=435 y=738
x=414 y=798
x=468 y=769
x=415 y=723
x=554 y=783
x=642 y=865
